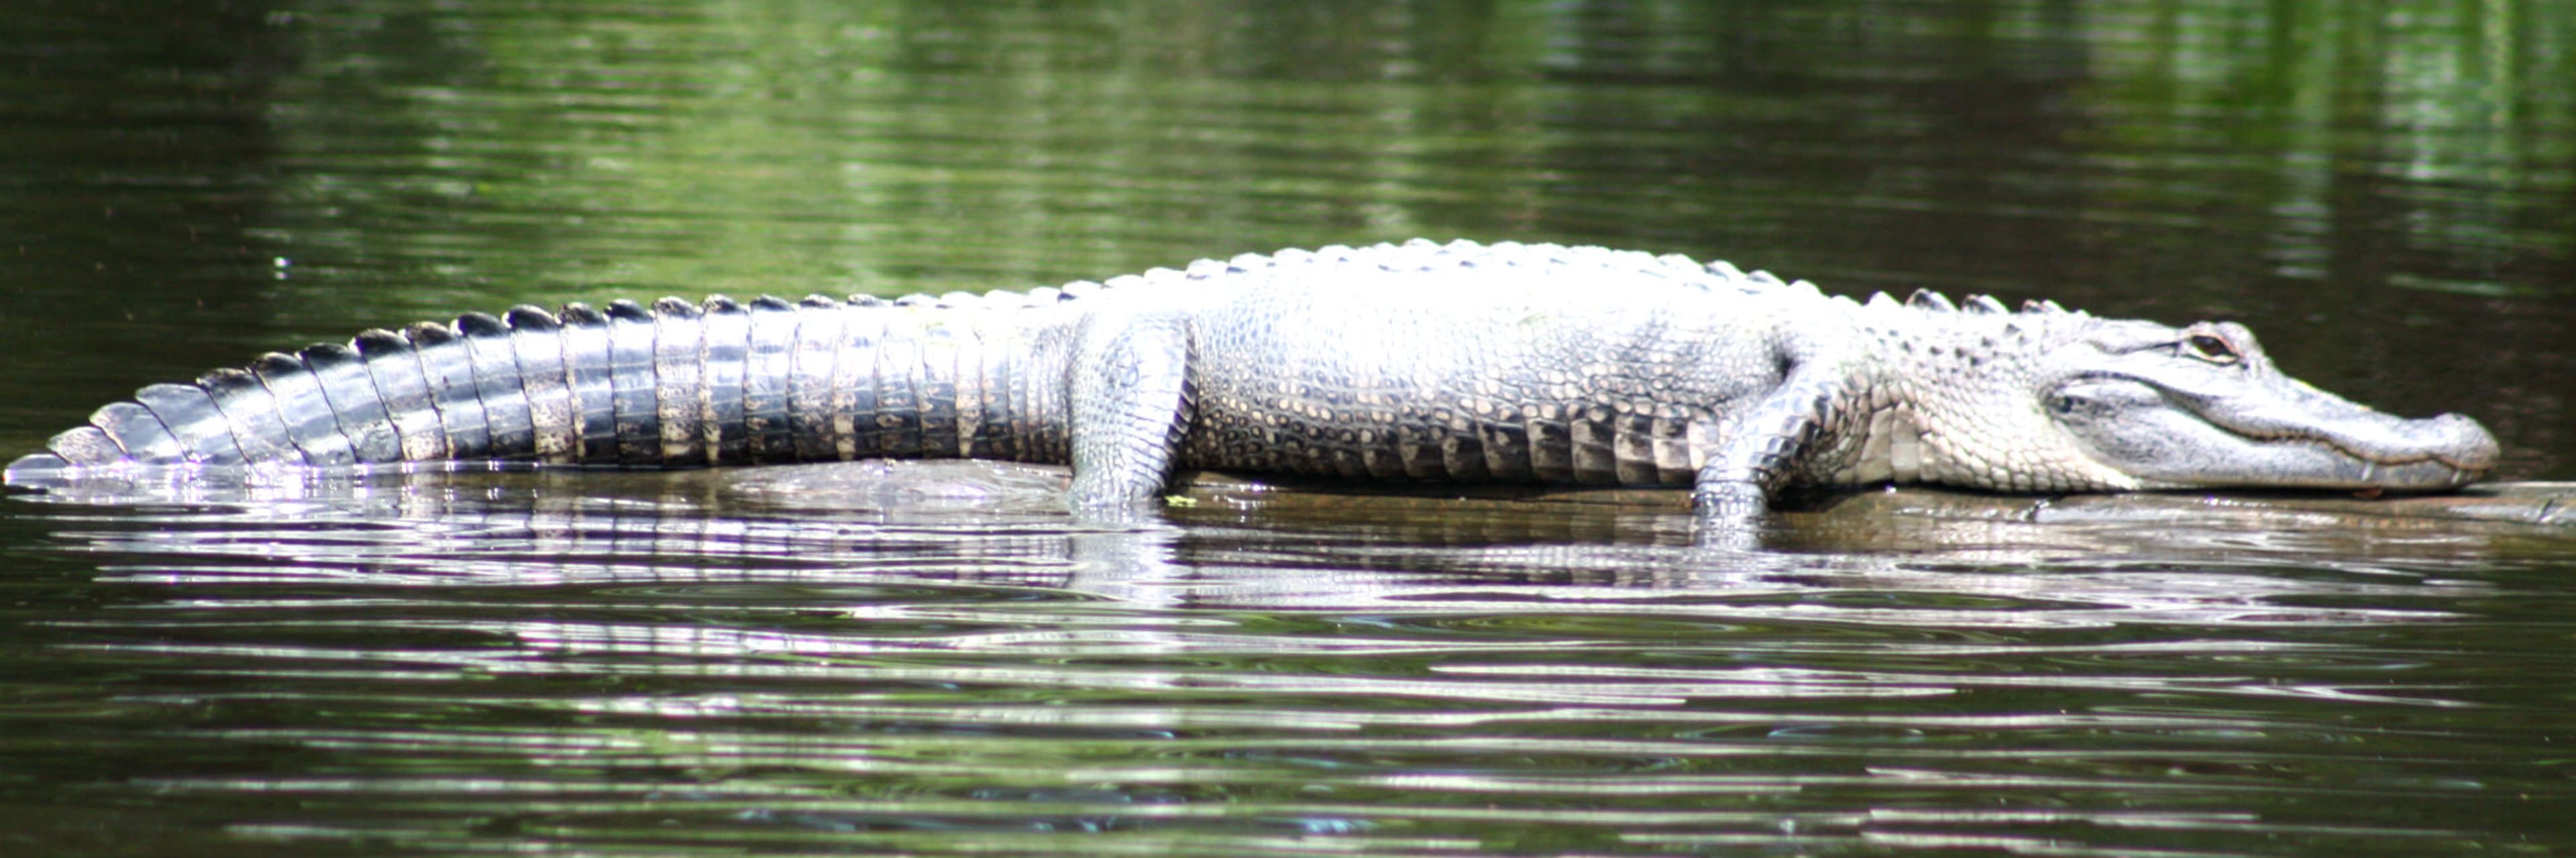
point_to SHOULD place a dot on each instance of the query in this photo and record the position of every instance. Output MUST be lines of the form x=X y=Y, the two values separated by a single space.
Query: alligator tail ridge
x=675 y=384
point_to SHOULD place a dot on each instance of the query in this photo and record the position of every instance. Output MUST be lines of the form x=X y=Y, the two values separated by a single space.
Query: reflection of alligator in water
x=1907 y=558
x=1459 y=362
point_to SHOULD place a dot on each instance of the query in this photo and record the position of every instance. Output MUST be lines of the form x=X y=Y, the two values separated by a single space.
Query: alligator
x=1422 y=361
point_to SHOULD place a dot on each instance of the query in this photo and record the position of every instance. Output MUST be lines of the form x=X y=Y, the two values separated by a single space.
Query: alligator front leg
x=1762 y=451
x=1129 y=382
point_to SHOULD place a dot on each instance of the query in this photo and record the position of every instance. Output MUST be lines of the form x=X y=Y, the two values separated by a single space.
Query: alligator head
x=2201 y=406
x=2049 y=399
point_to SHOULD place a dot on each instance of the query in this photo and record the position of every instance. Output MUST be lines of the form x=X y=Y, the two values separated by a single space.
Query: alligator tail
x=672 y=385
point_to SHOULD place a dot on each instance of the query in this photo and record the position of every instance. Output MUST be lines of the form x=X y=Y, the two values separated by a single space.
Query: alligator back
x=671 y=385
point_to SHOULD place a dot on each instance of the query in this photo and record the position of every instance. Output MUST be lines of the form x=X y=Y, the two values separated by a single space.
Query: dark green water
x=693 y=664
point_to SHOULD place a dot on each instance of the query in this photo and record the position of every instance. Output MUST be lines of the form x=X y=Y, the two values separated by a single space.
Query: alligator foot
x=1729 y=501
x=1727 y=515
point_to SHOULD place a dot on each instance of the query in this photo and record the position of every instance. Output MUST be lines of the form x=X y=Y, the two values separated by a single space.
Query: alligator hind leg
x=1130 y=386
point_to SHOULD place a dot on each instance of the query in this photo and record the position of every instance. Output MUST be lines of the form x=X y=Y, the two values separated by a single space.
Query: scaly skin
x=1420 y=362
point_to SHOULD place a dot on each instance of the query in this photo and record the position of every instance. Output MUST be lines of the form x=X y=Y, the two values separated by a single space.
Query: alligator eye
x=2212 y=349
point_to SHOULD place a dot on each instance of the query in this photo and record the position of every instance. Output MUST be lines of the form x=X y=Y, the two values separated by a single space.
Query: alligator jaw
x=2362 y=449
x=2454 y=452
x=2203 y=407
x=2314 y=439
x=2280 y=434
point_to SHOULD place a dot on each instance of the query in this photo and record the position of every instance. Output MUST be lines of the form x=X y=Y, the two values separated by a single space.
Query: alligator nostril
x=2470 y=447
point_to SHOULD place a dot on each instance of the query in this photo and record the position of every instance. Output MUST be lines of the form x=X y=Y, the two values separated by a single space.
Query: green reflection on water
x=910 y=146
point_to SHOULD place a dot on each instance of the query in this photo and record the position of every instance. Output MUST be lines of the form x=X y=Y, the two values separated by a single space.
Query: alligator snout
x=2450 y=450
x=2440 y=452
x=2466 y=443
